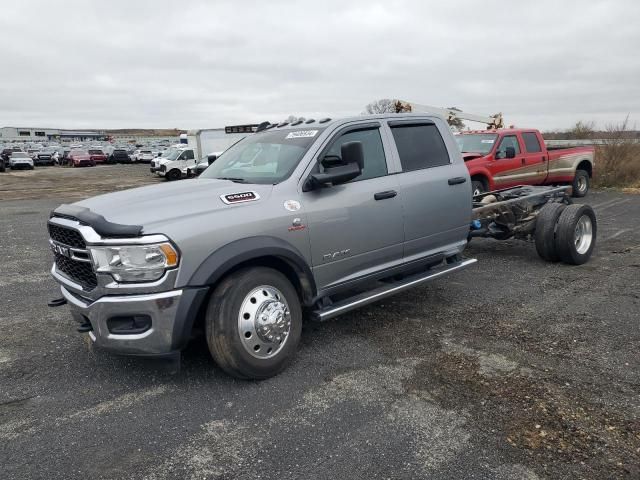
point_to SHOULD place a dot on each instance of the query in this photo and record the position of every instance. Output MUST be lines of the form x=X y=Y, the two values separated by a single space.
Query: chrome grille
x=80 y=272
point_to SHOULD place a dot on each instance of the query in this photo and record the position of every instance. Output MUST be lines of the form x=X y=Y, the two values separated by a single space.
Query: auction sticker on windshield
x=487 y=141
x=302 y=134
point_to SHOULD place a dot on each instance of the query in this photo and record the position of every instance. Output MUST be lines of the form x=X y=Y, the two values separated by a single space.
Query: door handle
x=457 y=180
x=523 y=161
x=383 y=195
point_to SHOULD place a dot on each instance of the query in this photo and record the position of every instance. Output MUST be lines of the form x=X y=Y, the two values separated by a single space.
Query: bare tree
x=582 y=130
x=291 y=119
x=456 y=123
x=384 y=105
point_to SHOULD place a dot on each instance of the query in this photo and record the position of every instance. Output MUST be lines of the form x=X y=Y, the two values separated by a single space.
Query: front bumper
x=162 y=308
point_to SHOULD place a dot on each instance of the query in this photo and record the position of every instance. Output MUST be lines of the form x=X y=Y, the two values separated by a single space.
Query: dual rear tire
x=566 y=233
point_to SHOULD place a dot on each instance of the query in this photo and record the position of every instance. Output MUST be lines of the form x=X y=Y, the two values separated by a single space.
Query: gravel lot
x=513 y=369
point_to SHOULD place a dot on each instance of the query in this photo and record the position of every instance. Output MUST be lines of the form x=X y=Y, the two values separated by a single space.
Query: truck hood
x=155 y=206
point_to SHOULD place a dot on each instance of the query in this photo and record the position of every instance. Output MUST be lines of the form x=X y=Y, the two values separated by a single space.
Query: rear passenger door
x=435 y=191
x=536 y=162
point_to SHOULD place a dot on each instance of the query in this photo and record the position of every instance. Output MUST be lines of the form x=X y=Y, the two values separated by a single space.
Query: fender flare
x=224 y=259
x=483 y=173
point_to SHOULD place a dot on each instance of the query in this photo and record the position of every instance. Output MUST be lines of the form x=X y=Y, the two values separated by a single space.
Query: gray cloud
x=205 y=64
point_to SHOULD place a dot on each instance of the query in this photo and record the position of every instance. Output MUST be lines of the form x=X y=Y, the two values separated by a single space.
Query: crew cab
x=80 y=158
x=508 y=157
x=97 y=155
x=321 y=217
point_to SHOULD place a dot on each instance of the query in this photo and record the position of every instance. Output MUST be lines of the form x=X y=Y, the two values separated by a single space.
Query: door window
x=187 y=155
x=531 y=142
x=420 y=146
x=375 y=162
x=507 y=141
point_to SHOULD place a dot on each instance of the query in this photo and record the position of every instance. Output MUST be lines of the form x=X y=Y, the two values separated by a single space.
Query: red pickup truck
x=508 y=157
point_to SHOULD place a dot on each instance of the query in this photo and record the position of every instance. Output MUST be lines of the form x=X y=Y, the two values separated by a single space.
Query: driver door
x=355 y=228
x=505 y=171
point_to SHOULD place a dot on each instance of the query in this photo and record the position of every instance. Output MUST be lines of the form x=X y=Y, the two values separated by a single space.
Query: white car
x=20 y=160
x=145 y=156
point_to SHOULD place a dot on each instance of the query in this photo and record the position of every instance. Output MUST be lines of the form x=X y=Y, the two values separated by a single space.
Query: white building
x=28 y=134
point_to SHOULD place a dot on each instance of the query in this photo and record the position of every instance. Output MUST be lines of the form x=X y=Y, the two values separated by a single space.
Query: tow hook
x=57 y=302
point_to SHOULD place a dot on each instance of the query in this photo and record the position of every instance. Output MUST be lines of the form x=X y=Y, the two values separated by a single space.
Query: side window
x=531 y=143
x=420 y=146
x=507 y=141
x=375 y=162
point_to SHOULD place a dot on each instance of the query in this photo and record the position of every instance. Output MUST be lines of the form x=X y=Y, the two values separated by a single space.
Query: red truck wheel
x=580 y=184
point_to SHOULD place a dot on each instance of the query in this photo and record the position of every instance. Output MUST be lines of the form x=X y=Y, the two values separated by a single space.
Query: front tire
x=478 y=187
x=174 y=174
x=580 y=184
x=253 y=323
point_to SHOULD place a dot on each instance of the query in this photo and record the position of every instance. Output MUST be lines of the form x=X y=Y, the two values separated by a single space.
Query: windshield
x=267 y=158
x=79 y=152
x=476 y=143
x=95 y=152
x=171 y=154
x=20 y=155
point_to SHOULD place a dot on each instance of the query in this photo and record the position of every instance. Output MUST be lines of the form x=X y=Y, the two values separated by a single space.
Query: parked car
x=44 y=157
x=6 y=153
x=145 y=156
x=508 y=157
x=80 y=158
x=119 y=155
x=204 y=163
x=64 y=159
x=20 y=160
x=97 y=155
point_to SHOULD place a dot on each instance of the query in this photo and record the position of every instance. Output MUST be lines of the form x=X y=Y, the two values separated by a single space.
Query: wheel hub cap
x=264 y=321
x=583 y=234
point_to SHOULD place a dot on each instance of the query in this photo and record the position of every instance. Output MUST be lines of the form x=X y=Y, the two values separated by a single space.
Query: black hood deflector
x=100 y=224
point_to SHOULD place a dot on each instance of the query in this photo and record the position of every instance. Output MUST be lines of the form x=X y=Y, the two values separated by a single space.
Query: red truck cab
x=505 y=158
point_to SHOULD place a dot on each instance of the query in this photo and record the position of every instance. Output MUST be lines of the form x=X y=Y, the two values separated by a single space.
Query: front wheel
x=253 y=323
x=478 y=187
x=173 y=175
x=580 y=184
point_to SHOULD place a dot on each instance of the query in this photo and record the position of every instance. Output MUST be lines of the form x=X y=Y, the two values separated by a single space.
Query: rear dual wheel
x=566 y=233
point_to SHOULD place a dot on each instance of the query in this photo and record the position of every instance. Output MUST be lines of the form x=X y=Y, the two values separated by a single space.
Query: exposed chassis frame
x=512 y=212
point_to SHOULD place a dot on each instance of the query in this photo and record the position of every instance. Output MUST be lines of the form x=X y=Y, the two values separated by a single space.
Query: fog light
x=129 y=325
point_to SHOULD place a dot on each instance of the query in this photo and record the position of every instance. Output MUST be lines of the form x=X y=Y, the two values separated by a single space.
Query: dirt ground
x=512 y=369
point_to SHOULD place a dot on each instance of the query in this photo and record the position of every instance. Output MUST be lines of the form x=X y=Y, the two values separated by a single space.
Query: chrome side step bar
x=385 y=291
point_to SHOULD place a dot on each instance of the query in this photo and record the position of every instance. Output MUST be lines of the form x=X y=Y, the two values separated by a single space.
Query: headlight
x=135 y=263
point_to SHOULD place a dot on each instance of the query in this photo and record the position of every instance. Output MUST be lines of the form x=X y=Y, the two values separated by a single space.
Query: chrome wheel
x=582 y=184
x=583 y=234
x=264 y=322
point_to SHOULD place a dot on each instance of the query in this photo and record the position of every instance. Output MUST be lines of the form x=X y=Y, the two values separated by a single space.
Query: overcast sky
x=199 y=64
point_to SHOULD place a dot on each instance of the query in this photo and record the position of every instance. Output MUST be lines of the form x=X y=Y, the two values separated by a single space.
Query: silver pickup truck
x=319 y=217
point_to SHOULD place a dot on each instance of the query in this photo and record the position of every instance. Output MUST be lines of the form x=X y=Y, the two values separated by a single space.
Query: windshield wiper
x=233 y=179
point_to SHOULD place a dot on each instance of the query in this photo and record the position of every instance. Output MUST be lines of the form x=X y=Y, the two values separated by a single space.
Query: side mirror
x=211 y=159
x=510 y=152
x=351 y=167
